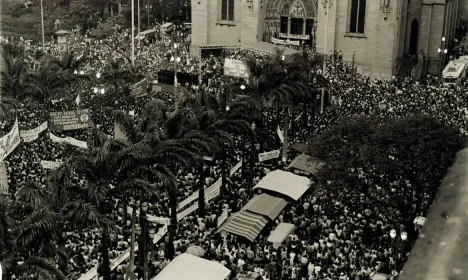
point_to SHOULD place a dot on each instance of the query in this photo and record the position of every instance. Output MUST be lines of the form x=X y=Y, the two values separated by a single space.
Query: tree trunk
x=304 y=114
x=201 y=191
x=125 y=217
x=243 y=158
x=104 y=269
x=131 y=261
x=278 y=108
x=172 y=229
x=285 y=134
x=293 y=116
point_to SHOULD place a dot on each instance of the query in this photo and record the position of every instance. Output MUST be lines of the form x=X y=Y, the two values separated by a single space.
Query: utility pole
x=327 y=8
x=42 y=23
x=133 y=33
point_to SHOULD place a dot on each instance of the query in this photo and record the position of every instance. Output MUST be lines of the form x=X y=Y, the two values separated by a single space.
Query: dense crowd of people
x=334 y=239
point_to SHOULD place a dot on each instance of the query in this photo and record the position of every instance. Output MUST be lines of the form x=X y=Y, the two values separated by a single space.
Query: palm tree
x=69 y=62
x=205 y=117
x=48 y=82
x=27 y=240
x=15 y=78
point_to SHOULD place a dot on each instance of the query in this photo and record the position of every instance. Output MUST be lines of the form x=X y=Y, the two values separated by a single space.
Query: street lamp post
x=99 y=89
x=244 y=145
x=442 y=51
x=252 y=126
x=398 y=246
x=175 y=58
x=143 y=231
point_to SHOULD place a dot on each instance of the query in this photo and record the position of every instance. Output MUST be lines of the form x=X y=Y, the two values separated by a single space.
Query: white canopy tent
x=190 y=267
x=281 y=232
x=285 y=183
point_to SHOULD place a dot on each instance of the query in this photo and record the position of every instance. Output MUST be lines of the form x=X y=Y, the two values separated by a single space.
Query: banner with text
x=69 y=120
x=69 y=140
x=235 y=68
x=9 y=142
x=32 y=134
x=46 y=164
x=139 y=89
x=284 y=42
x=268 y=155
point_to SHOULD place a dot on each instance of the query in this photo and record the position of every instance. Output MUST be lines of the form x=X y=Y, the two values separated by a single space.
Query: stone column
x=304 y=25
x=289 y=25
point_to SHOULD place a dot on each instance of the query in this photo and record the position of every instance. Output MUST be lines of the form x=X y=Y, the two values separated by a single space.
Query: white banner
x=235 y=68
x=223 y=217
x=285 y=42
x=268 y=155
x=46 y=164
x=9 y=142
x=32 y=134
x=69 y=140
x=158 y=220
x=4 y=188
x=280 y=134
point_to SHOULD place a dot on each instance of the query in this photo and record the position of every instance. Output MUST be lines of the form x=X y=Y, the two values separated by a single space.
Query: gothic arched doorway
x=290 y=19
x=413 y=45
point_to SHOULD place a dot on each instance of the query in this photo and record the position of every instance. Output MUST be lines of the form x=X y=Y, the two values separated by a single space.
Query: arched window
x=357 y=16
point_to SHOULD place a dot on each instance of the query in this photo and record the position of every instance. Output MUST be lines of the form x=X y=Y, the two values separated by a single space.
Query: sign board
x=235 y=68
x=294 y=36
x=69 y=120
x=268 y=155
x=9 y=142
x=139 y=89
x=285 y=42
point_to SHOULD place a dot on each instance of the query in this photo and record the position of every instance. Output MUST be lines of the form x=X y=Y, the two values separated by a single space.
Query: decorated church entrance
x=290 y=22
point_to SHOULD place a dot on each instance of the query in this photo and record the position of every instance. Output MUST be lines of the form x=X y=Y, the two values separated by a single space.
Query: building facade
x=236 y=22
x=381 y=34
x=384 y=34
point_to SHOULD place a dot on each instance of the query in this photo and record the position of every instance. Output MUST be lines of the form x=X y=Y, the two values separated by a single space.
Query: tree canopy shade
x=388 y=162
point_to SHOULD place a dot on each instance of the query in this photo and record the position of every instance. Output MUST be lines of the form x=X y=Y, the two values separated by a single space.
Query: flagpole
x=42 y=22
x=133 y=33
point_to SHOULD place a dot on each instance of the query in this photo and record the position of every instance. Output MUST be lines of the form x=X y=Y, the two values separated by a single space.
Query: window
x=227 y=10
x=358 y=16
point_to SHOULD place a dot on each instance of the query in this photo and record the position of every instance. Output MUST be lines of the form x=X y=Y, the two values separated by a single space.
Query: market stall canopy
x=306 y=163
x=285 y=183
x=266 y=205
x=190 y=267
x=244 y=223
x=280 y=233
x=300 y=147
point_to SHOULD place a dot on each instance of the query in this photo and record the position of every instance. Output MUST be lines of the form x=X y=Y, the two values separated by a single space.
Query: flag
x=78 y=100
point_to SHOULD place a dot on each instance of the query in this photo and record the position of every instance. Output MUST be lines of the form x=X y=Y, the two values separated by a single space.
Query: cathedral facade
x=381 y=36
x=245 y=22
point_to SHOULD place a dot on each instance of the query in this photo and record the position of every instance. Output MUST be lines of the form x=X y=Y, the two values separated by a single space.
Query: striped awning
x=266 y=205
x=244 y=223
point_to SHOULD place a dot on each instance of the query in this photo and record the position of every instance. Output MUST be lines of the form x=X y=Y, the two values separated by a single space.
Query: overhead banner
x=285 y=42
x=69 y=140
x=4 y=188
x=69 y=120
x=32 y=134
x=9 y=142
x=294 y=36
x=139 y=89
x=235 y=68
x=268 y=155
x=46 y=164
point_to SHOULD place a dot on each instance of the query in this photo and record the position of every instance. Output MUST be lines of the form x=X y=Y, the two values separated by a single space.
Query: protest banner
x=268 y=155
x=46 y=164
x=4 y=188
x=9 y=142
x=139 y=89
x=285 y=42
x=32 y=134
x=235 y=68
x=69 y=140
x=69 y=120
